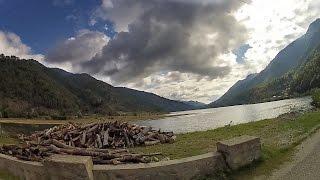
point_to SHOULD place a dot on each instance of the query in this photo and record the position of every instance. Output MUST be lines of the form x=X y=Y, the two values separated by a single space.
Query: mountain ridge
x=28 y=88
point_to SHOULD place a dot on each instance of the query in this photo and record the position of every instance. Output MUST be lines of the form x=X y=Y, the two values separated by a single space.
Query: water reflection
x=200 y=120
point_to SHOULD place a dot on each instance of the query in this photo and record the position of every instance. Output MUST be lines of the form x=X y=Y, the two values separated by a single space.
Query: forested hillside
x=29 y=89
x=299 y=81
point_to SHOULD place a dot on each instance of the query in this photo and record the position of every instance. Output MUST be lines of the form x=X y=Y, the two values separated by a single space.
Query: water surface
x=201 y=120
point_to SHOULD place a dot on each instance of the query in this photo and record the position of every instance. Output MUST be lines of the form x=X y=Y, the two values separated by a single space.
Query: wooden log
x=60 y=144
x=83 y=139
x=25 y=158
x=87 y=126
x=76 y=138
x=172 y=139
x=151 y=143
x=162 y=138
x=83 y=152
x=106 y=138
x=93 y=128
x=152 y=154
x=48 y=132
x=89 y=142
x=99 y=142
x=128 y=144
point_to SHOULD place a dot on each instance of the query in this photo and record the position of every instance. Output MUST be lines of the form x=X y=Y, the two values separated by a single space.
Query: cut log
x=60 y=144
x=106 y=138
x=99 y=142
x=83 y=139
x=151 y=143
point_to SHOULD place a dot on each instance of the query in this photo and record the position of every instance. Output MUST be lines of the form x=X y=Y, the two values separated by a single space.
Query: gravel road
x=306 y=162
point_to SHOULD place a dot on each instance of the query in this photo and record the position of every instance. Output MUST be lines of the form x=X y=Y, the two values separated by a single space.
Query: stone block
x=65 y=167
x=240 y=151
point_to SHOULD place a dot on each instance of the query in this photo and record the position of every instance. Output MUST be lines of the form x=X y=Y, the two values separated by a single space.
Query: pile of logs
x=107 y=143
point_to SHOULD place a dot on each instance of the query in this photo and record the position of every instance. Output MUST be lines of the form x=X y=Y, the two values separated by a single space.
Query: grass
x=279 y=136
x=4 y=139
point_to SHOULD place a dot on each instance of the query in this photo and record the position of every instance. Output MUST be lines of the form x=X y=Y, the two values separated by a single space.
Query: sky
x=178 y=49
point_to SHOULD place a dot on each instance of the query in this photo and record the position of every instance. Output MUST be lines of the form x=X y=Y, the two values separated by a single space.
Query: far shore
x=42 y=121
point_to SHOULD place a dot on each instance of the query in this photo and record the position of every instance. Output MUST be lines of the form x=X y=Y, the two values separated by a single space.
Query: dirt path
x=305 y=164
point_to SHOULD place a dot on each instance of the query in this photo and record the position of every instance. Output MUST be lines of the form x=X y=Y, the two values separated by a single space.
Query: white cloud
x=11 y=44
x=107 y=4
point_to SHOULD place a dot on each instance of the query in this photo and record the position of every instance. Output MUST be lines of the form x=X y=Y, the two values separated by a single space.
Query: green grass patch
x=5 y=139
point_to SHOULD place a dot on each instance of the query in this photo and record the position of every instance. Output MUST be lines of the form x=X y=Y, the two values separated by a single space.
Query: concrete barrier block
x=187 y=168
x=23 y=169
x=65 y=167
x=240 y=151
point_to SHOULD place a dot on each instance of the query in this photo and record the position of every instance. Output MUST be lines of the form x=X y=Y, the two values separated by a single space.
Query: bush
x=59 y=117
x=5 y=114
x=316 y=98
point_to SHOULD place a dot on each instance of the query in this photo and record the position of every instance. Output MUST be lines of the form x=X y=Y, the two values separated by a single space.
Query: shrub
x=59 y=117
x=316 y=98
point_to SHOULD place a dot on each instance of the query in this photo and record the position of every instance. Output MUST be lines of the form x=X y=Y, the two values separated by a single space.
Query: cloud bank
x=163 y=36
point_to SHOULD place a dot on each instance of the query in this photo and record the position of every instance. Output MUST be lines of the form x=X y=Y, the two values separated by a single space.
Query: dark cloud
x=167 y=35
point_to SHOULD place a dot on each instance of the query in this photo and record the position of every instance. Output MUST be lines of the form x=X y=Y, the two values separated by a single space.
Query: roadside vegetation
x=316 y=98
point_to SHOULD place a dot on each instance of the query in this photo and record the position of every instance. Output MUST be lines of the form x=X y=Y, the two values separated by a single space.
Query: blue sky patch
x=241 y=52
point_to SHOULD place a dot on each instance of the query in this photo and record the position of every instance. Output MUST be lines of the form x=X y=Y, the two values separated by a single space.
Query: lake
x=201 y=120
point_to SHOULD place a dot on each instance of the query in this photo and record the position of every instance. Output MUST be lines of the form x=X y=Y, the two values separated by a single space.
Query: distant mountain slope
x=235 y=94
x=298 y=81
x=195 y=104
x=291 y=57
x=27 y=88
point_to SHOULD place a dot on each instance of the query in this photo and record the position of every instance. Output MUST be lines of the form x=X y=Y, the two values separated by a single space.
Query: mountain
x=288 y=59
x=301 y=80
x=27 y=88
x=195 y=104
